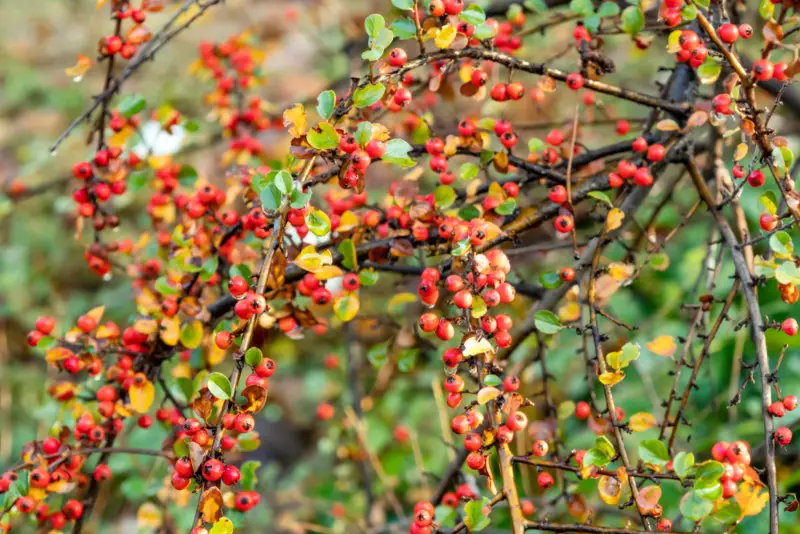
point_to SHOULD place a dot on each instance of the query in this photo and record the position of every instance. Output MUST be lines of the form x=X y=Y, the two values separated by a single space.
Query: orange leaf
x=80 y=68
x=663 y=346
x=211 y=505
x=751 y=499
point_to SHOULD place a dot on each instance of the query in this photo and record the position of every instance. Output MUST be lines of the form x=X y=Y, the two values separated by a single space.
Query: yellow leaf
x=751 y=499
x=156 y=162
x=346 y=307
x=620 y=272
x=96 y=313
x=170 y=330
x=489 y=393
x=642 y=421
x=569 y=312
x=610 y=489
x=611 y=379
x=211 y=505
x=80 y=68
x=614 y=219
x=122 y=411
x=118 y=139
x=192 y=335
x=474 y=347
x=223 y=526
x=145 y=326
x=296 y=119
x=400 y=299
x=741 y=152
x=347 y=222
x=328 y=271
x=148 y=516
x=142 y=396
x=445 y=36
x=57 y=354
x=663 y=346
x=667 y=125
x=673 y=42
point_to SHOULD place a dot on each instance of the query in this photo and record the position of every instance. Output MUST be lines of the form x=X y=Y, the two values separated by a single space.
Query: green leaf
x=608 y=9
x=653 y=451
x=403 y=4
x=209 y=268
x=728 y=512
x=444 y=196
x=271 y=197
x=507 y=207
x=492 y=380
x=187 y=176
x=326 y=103
x=781 y=243
x=446 y=516
x=689 y=12
x=404 y=28
x=694 y=507
x=468 y=171
x=596 y=457
x=407 y=359
x=622 y=358
x=602 y=197
x=703 y=3
x=592 y=22
x=372 y=55
x=535 y=144
x=484 y=31
x=248 y=471
x=164 y=287
x=461 y=248
x=299 y=199
x=473 y=14
x=130 y=105
x=787 y=273
x=397 y=152
x=474 y=518
x=284 y=181
x=253 y=356
x=240 y=269
x=192 y=334
x=709 y=71
x=707 y=474
x=374 y=24
x=469 y=212
x=348 y=251
x=318 y=223
x=367 y=95
x=769 y=201
x=683 y=464
x=766 y=8
x=377 y=354
x=368 y=277
x=581 y=7
x=550 y=279
x=383 y=40
x=363 y=133
x=632 y=20
x=547 y=322
x=220 y=386
x=711 y=493
x=538 y=6
x=325 y=138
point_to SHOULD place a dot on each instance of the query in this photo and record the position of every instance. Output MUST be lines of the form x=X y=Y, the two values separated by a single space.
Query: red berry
x=212 y=470
x=479 y=77
x=768 y=222
x=763 y=70
x=688 y=40
x=545 y=480
x=397 y=57
x=463 y=299
x=783 y=436
x=639 y=144
x=558 y=194
x=789 y=326
x=777 y=409
x=719 y=451
x=179 y=482
x=499 y=92
x=244 y=423
x=45 y=325
x=664 y=525
x=564 y=224
x=756 y=178
x=567 y=274
x=745 y=31
x=728 y=32
x=511 y=384
x=790 y=402
x=574 y=81
x=655 y=152
x=623 y=127
x=583 y=410
x=476 y=460
x=101 y=473
x=231 y=475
